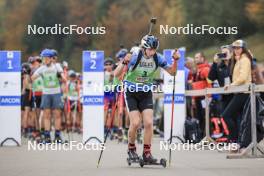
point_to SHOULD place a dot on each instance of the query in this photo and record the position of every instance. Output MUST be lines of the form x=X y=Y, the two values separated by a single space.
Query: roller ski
x=132 y=156
x=148 y=159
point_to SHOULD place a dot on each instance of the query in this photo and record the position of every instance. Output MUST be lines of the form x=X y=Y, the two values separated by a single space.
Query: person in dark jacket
x=221 y=71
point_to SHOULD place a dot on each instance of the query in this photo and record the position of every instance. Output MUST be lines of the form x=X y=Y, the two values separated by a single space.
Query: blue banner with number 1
x=10 y=61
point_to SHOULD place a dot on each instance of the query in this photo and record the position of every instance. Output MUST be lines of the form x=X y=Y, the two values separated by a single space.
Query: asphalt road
x=20 y=161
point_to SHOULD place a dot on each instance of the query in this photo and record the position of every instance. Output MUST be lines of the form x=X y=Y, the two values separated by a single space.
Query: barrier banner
x=93 y=96
x=179 y=98
x=10 y=98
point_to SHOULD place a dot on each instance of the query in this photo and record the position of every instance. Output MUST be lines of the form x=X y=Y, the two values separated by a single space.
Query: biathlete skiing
x=138 y=82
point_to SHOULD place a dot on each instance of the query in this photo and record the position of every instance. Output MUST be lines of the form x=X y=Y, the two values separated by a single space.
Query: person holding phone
x=221 y=71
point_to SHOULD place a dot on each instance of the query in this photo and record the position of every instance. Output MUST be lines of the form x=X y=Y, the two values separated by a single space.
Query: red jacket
x=200 y=79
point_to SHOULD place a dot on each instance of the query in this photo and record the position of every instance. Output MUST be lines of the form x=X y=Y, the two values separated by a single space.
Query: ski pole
x=153 y=21
x=67 y=103
x=172 y=108
x=112 y=119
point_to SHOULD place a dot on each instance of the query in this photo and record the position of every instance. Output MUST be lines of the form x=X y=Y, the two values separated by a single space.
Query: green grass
x=255 y=43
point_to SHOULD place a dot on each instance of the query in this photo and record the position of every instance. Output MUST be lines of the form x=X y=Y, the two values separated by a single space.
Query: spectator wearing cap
x=241 y=65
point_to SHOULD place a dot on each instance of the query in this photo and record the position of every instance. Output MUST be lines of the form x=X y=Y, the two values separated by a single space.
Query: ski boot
x=47 y=139
x=132 y=156
x=58 y=140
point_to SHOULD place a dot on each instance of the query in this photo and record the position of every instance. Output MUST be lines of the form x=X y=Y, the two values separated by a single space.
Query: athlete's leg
x=26 y=115
x=148 y=125
x=146 y=107
x=57 y=104
x=126 y=126
x=57 y=116
x=47 y=117
x=25 y=119
x=148 y=133
x=135 y=121
x=120 y=109
x=69 y=119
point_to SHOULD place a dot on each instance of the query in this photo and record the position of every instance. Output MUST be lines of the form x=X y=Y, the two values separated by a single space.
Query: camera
x=221 y=55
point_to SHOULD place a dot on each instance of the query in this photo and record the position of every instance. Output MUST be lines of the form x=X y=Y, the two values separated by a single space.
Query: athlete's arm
x=34 y=77
x=27 y=81
x=119 y=69
x=63 y=78
x=173 y=68
x=36 y=74
x=60 y=72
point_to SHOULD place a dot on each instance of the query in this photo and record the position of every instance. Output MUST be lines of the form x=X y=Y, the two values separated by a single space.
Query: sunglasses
x=236 y=48
x=108 y=64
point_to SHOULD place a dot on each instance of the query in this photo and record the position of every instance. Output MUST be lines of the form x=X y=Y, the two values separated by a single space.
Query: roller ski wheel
x=163 y=162
x=129 y=162
x=132 y=157
x=141 y=162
